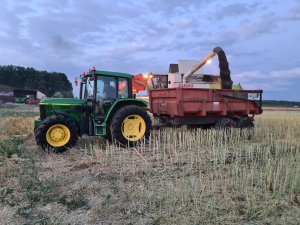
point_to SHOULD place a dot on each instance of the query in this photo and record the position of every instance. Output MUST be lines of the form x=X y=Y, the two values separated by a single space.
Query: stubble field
x=180 y=177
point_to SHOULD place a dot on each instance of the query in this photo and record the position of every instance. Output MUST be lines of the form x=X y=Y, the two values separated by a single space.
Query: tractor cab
x=102 y=88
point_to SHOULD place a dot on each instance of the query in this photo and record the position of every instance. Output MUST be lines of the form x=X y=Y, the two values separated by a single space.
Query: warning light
x=209 y=61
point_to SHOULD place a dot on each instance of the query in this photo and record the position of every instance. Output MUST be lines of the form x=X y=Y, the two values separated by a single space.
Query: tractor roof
x=115 y=74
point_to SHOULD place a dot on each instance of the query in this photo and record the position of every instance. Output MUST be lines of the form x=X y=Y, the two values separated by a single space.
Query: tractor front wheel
x=130 y=125
x=56 y=133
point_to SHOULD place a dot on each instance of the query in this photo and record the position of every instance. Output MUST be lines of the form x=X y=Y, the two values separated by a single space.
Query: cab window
x=123 y=88
x=89 y=88
x=106 y=87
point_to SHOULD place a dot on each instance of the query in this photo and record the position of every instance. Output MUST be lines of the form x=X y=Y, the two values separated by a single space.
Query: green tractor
x=106 y=107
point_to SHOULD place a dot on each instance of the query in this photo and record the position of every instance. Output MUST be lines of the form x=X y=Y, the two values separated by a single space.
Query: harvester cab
x=106 y=107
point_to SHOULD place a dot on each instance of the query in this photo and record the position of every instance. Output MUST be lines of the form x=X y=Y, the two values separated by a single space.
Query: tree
x=28 y=78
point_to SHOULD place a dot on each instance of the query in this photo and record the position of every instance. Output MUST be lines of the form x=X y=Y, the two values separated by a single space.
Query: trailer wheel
x=56 y=133
x=199 y=126
x=130 y=125
x=225 y=123
x=247 y=124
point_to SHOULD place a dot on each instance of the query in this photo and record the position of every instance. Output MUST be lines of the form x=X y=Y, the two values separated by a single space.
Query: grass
x=180 y=177
x=74 y=203
x=11 y=147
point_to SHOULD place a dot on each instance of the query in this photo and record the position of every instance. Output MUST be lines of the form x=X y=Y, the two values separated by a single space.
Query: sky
x=260 y=37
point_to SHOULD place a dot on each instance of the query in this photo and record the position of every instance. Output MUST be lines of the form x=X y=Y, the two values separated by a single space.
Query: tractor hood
x=62 y=101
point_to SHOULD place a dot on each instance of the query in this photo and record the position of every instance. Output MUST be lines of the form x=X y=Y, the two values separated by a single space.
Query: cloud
x=236 y=9
x=294 y=13
x=62 y=46
x=286 y=74
x=265 y=25
x=274 y=80
x=177 y=5
x=246 y=31
x=134 y=36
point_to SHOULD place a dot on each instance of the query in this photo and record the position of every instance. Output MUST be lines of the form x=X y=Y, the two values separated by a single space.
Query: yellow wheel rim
x=133 y=127
x=58 y=135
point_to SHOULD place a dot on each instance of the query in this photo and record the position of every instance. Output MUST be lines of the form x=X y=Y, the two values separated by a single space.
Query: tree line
x=52 y=84
x=274 y=103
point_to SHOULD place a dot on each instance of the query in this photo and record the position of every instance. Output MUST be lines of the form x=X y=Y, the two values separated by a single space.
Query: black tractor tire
x=225 y=123
x=41 y=133
x=142 y=125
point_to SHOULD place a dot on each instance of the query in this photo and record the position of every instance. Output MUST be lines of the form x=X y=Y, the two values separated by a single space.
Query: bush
x=63 y=94
x=58 y=95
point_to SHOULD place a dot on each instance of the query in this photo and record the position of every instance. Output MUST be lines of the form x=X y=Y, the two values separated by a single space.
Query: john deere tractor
x=107 y=108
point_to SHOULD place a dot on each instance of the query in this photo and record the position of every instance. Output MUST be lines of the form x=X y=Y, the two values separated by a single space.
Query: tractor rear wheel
x=56 y=133
x=225 y=123
x=130 y=125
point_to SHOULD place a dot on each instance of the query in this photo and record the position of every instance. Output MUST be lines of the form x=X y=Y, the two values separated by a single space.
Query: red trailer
x=197 y=106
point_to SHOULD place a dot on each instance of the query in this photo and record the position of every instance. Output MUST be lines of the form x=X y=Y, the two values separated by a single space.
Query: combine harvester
x=108 y=107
